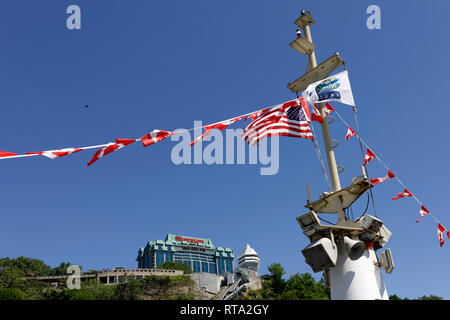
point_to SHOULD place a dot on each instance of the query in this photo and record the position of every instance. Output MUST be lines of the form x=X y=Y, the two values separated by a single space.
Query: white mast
x=351 y=265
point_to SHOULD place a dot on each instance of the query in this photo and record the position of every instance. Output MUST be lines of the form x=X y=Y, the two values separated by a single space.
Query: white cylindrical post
x=359 y=279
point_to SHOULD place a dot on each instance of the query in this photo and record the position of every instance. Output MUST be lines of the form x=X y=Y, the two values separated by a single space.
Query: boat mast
x=345 y=251
x=332 y=166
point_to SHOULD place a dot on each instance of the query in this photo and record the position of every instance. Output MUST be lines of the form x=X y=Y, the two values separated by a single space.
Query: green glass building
x=200 y=254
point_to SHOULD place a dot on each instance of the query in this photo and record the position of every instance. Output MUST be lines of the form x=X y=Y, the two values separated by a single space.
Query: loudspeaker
x=321 y=254
x=355 y=248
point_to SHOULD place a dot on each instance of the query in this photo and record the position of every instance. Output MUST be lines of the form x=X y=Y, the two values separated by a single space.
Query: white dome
x=248 y=251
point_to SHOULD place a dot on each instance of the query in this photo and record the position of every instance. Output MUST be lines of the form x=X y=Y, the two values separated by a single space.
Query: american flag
x=287 y=119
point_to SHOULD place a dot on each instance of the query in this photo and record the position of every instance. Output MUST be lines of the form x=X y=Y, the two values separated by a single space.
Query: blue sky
x=145 y=65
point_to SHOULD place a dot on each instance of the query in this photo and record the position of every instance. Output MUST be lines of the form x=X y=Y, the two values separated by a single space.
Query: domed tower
x=249 y=260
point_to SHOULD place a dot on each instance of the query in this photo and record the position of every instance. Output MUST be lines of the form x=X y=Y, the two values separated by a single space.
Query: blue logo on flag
x=325 y=89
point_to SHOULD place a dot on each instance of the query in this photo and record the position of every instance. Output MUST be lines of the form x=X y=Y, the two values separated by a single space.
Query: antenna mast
x=345 y=251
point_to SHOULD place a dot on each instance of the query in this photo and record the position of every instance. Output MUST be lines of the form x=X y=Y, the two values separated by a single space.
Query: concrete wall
x=208 y=281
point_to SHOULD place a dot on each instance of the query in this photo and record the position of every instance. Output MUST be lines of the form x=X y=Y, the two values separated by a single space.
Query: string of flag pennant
x=292 y=118
x=370 y=155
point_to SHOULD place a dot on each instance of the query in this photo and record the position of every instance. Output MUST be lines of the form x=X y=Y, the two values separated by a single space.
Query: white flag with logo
x=333 y=88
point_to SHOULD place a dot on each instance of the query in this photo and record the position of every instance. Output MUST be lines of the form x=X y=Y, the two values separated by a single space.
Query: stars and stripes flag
x=287 y=119
x=58 y=153
x=155 y=136
x=350 y=133
x=219 y=125
x=390 y=175
x=441 y=230
x=369 y=156
x=423 y=211
x=120 y=143
x=403 y=194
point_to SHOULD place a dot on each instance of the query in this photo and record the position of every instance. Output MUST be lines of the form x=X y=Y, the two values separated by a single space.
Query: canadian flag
x=220 y=125
x=369 y=156
x=404 y=194
x=7 y=154
x=390 y=175
x=58 y=153
x=350 y=133
x=256 y=114
x=155 y=136
x=120 y=143
x=423 y=211
x=315 y=116
x=441 y=230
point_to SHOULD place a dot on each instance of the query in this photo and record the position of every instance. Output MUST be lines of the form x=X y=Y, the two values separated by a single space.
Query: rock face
x=186 y=289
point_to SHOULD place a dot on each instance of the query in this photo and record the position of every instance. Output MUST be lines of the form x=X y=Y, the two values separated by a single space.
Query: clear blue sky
x=142 y=65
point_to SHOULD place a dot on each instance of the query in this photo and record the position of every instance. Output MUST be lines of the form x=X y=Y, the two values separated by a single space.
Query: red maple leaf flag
x=404 y=194
x=423 y=211
x=390 y=175
x=120 y=143
x=328 y=108
x=315 y=116
x=58 y=153
x=155 y=136
x=219 y=125
x=350 y=133
x=7 y=154
x=305 y=107
x=369 y=156
x=441 y=230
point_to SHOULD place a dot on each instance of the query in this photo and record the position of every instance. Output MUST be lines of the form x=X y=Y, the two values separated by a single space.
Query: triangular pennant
x=369 y=156
x=404 y=194
x=423 y=211
x=389 y=176
x=441 y=230
x=350 y=133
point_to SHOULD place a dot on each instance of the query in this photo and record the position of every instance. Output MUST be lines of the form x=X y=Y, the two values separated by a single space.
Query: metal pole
x=335 y=183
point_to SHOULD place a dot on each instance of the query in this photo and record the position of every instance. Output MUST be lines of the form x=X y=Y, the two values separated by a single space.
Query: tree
x=277 y=281
x=61 y=269
x=27 y=266
x=430 y=297
x=304 y=287
x=175 y=266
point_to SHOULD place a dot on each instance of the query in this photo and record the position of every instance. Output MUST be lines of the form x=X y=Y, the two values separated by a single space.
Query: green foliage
x=430 y=297
x=277 y=281
x=10 y=294
x=26 y=266
x=304 y=287
x=297 y=287
x=61 y=269
x=395 y=297
x=175 y=266
x=90 y=290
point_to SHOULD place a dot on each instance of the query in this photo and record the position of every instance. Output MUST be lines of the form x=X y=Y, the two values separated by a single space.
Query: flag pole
x=331 y=159
x=350 y=276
